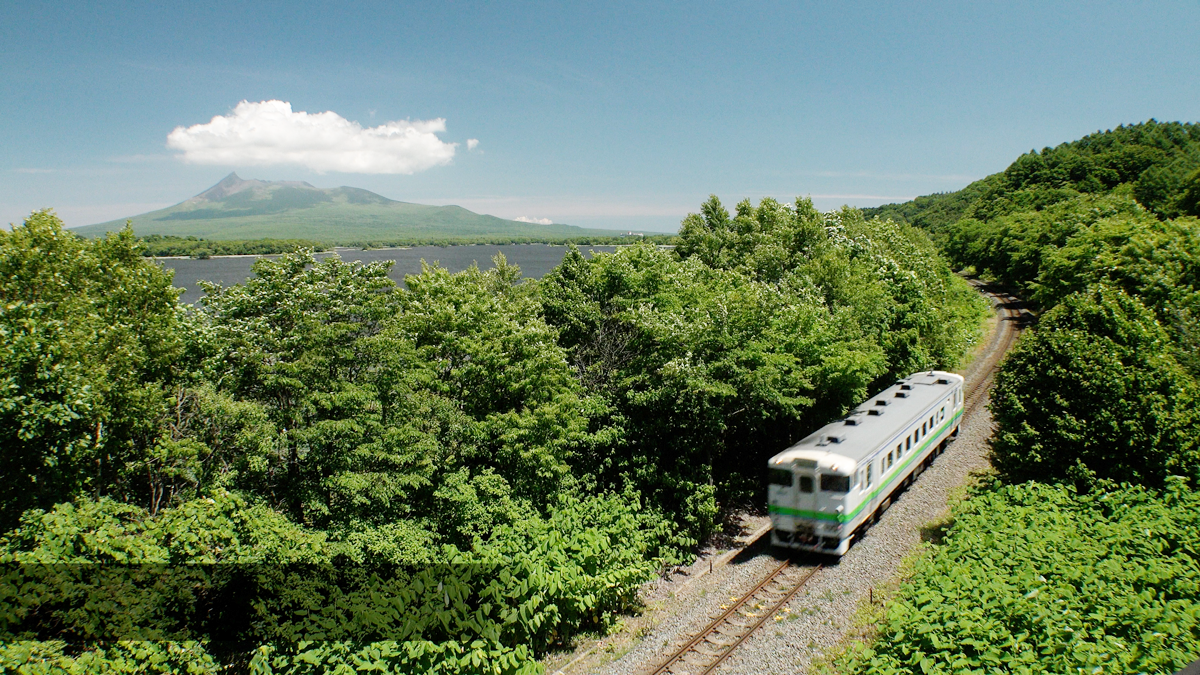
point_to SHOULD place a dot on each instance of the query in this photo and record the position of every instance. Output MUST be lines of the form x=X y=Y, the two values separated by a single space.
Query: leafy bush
x=1095 y=392
x=1035 y=578
x=236 y=575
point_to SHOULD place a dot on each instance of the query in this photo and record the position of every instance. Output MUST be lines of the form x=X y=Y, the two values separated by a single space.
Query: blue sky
x=603 y=114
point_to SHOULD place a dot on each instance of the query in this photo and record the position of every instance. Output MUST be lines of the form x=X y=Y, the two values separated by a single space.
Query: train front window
x=834 y=483
x=781 y=477
x=806 y=484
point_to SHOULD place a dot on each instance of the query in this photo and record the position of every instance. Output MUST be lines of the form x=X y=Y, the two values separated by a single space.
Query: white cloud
x=471 y=143
x=269 y=133
x=536 y=221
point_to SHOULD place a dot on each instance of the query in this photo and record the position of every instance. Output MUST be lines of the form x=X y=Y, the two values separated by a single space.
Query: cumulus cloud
x=269 y=133
x=535 y=221
x=471 y=143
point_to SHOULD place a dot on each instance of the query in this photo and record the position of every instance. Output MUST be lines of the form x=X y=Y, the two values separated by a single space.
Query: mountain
x=255 y=209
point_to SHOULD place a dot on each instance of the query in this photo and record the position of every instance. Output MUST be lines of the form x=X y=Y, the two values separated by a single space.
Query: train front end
x=809 y=499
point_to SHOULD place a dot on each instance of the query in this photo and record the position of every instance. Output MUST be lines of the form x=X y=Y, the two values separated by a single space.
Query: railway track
x=707 y=649
x=704 y=652
x=1013 y=318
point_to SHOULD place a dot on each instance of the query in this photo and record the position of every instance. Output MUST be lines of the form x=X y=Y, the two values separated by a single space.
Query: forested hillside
x=318 y=468
x=1080 y=554
x=1156 y=164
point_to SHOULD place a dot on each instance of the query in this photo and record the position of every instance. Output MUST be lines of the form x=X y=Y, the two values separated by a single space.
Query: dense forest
x=318 y=468
x=1080 y=553
x=159 y=245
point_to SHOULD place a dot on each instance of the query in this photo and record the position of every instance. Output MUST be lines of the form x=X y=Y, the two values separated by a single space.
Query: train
x=824 y=491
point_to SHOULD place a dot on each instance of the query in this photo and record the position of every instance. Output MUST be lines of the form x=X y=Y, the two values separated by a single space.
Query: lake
x=533 y=259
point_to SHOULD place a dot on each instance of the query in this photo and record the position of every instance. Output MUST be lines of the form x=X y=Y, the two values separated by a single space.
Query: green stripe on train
x=845 y=518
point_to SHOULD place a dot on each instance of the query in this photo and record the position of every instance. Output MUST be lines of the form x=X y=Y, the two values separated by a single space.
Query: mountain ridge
x=238 y=208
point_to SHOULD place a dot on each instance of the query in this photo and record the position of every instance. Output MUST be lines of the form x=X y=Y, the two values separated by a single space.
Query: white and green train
x=825 y=490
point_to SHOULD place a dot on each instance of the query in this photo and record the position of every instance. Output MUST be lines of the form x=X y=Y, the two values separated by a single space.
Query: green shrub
x=1034 y=578
x=1095 y=392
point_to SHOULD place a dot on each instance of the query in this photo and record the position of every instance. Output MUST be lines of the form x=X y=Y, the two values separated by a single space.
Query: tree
x=92 y=341
x=1095 y=393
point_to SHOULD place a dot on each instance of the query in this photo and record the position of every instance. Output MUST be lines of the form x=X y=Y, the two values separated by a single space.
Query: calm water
x=533 y=259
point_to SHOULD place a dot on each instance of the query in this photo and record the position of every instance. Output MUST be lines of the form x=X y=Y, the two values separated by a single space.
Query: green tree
x=755 y=329
x=92 y=342
x=1095 y=393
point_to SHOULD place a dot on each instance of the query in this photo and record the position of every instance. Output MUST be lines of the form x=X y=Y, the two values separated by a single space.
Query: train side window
x=898 y=450
x=782 y=477
x=922 y=428
x=806 y=484
x=908 y=443
x=889 y=460
x=868 y=482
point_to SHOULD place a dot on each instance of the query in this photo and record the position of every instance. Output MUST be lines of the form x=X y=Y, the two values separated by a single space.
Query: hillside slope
x=1157 y=164
x=252 y=209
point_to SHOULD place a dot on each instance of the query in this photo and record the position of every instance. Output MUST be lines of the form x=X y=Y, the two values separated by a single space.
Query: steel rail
x=679 y=653
x=761 y=620
x=1008 y=335
x=691 y=647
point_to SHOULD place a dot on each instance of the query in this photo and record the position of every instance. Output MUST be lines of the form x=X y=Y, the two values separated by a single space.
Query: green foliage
x=400 y=658
x=756 y=329
x=449 y=405
x=1159 y=262
x=91 y=338
x=320 y=470
x=157 y=246
x=122 y=657
x=1156 y=163
x=1034 y=578
x=197 y=569
x=937 y=212
x=1012 y=247
x=1094 y=392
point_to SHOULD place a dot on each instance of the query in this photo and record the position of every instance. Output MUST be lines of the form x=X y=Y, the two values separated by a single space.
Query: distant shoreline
x=337 y=249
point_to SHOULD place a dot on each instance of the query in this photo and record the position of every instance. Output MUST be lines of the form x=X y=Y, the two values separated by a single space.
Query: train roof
x=868 y=427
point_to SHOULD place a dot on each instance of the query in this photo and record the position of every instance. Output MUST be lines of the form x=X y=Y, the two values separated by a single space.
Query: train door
x=806 y=495
x=868 y=482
